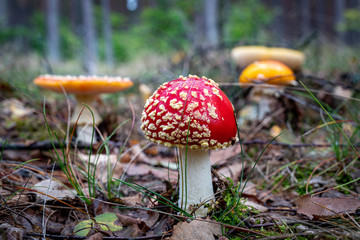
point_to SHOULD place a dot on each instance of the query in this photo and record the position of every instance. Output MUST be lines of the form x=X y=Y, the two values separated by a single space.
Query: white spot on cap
x=152 y=127
x=152 y=115
x=206 y=92
x=175 y=104
x=216 y=91
x=183 y=95
x=191 y=106
x=211 y=109
x=194 y=94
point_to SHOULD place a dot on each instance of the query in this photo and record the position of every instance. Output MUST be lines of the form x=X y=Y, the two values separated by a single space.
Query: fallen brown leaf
x=10 y=232
x=132 y=224
x=135 y=200
x=326 y=207
x=53 y=188
x=96 y=236
x=148 y=219
x=199 y=230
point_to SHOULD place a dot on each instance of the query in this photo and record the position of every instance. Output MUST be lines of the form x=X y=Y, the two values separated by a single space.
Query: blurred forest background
x=101 y=36
x=153 y=41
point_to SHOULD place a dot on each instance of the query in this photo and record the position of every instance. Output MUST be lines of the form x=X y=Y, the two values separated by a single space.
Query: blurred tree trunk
x=358 y=33
x=225 y=11
x=305 y=17
x=211 y=23
x=278 y=23
x=339 y=6
x=91 y=55
x=107 y=31
x=320 y=15
x=197 y=39
x=351 y=36
x=3 y=14
x=52 y=27
x=75 y=17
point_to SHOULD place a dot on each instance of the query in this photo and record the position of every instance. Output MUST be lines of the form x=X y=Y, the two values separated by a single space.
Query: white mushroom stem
x=197 y=188
x=84 y=125
x=84 y=134
x=266 y=97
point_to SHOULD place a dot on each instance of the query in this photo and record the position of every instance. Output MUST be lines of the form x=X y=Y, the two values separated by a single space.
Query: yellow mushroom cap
x=294 y=59
x=269 y=72
x=245 y=55
x=85 y=85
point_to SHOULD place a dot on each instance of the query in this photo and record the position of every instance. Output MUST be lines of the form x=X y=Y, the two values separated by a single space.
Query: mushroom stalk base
x=84 y=119
x=84 y=134
x=197 y=188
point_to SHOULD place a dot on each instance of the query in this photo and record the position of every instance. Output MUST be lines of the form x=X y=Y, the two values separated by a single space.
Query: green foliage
x=121 y=51
x=106 y=222
x=70 y=43
x=117 y=22
x=302 y=174
x=27 y=128
x=120 y=39
x=28 y=37
x=246 y=19
x=160 y=28
x=33 y=36
x=344 y=179
x=236 y=210
x=164 y=29
x=351 y=21
x=2 y=149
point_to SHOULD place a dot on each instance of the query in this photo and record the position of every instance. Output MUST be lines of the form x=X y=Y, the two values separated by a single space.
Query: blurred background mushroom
x=267 y=79
x=86 y=89
x=245 y=55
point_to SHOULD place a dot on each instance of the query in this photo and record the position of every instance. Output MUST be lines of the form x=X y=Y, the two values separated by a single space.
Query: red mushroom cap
x=189 y=100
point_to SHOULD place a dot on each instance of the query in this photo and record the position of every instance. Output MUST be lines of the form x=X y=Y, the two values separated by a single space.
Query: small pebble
x=301 y=228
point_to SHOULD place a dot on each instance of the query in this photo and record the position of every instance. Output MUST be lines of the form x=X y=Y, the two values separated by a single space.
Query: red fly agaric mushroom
x=86 y=89
x=193 y=114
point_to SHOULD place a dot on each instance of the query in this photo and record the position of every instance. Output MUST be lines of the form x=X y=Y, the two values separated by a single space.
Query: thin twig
x=48 y=145
x=51 y=236
x=41 y=145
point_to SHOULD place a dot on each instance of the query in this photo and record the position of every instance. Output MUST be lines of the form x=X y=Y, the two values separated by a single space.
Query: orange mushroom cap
x=269 y=72
x=85 y=85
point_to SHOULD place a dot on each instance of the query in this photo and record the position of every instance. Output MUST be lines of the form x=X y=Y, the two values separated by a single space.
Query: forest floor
x=301 y=185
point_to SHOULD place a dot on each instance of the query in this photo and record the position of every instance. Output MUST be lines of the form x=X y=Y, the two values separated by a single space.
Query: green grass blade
x=64 y=164
x=2 y=150
x=239 y=193
x=336 y=124
x=160 y=198
x=186 y=152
